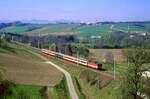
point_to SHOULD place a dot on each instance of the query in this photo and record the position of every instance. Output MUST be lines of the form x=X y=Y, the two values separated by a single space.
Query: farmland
x=21 y=28
x=88 y=30
x=132 y=27
x=28 y=72
x=54 y=29
x=74 y=29
x=100 y=54
x=20 y=51
x=28 y=64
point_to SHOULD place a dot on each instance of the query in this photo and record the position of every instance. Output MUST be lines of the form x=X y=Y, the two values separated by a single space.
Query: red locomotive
x=80 y=61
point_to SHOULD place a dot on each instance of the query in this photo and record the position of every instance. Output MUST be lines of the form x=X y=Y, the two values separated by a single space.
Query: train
x=80 y=61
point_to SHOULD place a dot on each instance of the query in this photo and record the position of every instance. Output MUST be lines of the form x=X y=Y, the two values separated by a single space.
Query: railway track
x=105 y=73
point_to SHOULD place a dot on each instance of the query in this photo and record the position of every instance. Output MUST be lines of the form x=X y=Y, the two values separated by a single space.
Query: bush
x=6 y=88
x=62 y=89
x=43 y=93
x=3 y=43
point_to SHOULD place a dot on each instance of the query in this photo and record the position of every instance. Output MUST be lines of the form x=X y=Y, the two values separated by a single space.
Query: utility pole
x=78 y=58
x=49 y=47
x=39 y=41
x=12 y=38
x=128 y=29
x=38 y=44
x=78 y=54
x=114 y=70
x=128 y=62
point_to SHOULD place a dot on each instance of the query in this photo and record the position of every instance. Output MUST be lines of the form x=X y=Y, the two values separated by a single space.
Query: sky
x=77 y=10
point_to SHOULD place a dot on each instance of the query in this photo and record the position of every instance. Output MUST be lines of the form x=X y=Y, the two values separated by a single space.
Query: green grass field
x=20 y=51
x=132 y=27
x=25 y=92
x=56 y=29
x=81 y=30
x=53 y=28
x=88 y=30
x=20 y=29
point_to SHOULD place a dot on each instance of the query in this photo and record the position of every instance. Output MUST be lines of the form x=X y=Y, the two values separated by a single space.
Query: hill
x=20 y=28
x=80 y=29
x=22 y=66
x=56 y=29
x=27 y=72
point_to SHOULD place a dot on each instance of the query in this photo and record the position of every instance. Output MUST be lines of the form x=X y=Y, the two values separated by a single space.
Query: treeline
x=63 y=44
x=70 y=49
x=119 y=39
x=128 y=22
x=17 y=23
x=38 y=41
x=73 y=45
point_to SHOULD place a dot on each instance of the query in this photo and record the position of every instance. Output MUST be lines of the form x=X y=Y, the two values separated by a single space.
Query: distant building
x=95 y=37
x=131 y=36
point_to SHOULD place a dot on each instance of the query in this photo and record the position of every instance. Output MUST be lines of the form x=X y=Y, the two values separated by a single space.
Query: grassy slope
x=75 y=28
x=93 y=29
x=22 y=55
x=55 y=28
x=132 y=27
x=19 y=29
x=28 y=91
x=20 y=51
x=86 y=90
x=29 y=72
x=27 y=63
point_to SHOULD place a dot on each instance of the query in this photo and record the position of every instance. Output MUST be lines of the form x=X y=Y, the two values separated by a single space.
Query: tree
x=132 y=83
x=146 y=87
x=148 y=28
x=3 y=44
